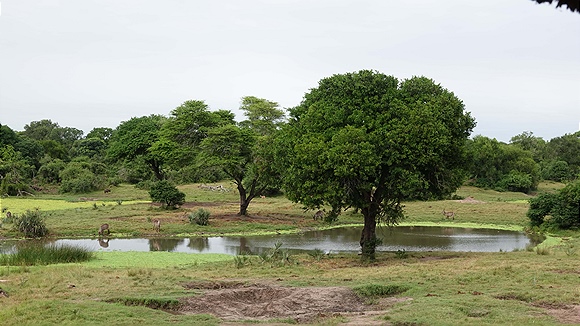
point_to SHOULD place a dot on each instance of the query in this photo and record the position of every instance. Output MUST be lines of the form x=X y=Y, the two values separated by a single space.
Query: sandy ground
x=234 y=303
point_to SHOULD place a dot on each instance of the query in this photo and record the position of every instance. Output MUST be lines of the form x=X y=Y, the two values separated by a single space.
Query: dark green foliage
x=167 y=194
x=15 y=172
x=199 y=217
x=368 y=141
x=36 y=254
x=81 y=177
x=134 y=138
x=50 y=171
x=556 y=171
x=379 y=290
x=31 y=224
x=501 y=166
x=540 y=207
x=563 y=207
x=516 y=181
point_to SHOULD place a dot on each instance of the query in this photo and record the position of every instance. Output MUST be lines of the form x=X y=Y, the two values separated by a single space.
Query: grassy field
x=540 y=286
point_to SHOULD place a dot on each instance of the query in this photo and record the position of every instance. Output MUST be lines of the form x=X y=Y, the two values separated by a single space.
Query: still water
x=406 y=238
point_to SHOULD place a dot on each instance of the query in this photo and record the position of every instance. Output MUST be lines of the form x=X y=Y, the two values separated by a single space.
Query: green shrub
x=31 y=224
x=166 y=194
x=199 y=217
x=317 y=254
x=276 y=256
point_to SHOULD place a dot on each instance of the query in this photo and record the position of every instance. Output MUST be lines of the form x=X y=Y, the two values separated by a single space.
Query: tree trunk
x=244 y=202
x=368 y=238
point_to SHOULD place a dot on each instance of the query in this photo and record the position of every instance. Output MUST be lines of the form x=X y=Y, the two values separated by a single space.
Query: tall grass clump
x=199 y=217
x=31 y=224
x=37 y=254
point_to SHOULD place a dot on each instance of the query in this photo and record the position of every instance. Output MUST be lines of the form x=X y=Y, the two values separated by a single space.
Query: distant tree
x=566 y=148
x=231 y=149
x=367 y=141
x=264 y=116
x=102 y=133
x=180 y=136
x=8 y=136
x=556 y=171
x=528 y=142
x=15 y=172
x=91 y=147
x=501 y=166
x=82 y=176
x=133 y=139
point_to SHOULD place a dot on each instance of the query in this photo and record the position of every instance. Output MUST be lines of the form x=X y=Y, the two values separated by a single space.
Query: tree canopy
x=367 y=140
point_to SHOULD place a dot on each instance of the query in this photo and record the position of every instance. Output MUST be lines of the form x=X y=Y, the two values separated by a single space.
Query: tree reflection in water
x=157 y=244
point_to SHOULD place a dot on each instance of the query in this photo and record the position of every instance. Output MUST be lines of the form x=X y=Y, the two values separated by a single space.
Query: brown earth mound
x=261 y=302
x=470 y=200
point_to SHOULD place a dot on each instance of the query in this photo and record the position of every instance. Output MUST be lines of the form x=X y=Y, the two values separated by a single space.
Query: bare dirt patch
x=565 y=314
x=262 y=302
x=470 y=200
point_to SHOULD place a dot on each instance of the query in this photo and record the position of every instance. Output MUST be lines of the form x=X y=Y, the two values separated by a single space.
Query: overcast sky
x=95 y=63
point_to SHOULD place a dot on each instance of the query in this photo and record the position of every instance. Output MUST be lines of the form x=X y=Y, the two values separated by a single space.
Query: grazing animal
x=157 y=225
x=449 y=214
x=103 y=228
x=8 y=214
x=262 y=196
x=319 y=215
x=107 y=190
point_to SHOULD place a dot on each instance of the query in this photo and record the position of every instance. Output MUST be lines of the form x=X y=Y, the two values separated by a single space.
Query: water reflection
x=335 y=240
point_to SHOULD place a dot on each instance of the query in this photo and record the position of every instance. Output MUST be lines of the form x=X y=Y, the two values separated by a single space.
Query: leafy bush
x=516 y=181
x=557 y=171
x=78 y=178
x=276 y=256
x=563 y=207
x=199 y=217
x=540 y=207
x=31 y=224
x=167 y=194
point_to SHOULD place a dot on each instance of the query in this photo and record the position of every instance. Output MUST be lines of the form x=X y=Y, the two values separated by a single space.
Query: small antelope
x=103 y=228
x=262 y=196
x=157 y=225
x=319 y=215
x=449 y=214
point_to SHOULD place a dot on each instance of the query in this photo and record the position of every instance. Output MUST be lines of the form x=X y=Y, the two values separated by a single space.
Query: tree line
x=363 y=140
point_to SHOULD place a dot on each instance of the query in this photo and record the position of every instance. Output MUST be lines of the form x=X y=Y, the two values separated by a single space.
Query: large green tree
x=366 y=140
x=133 y=139
x=181 y=134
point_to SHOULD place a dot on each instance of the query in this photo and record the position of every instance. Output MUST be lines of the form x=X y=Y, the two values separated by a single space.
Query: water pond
x=346 y=239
